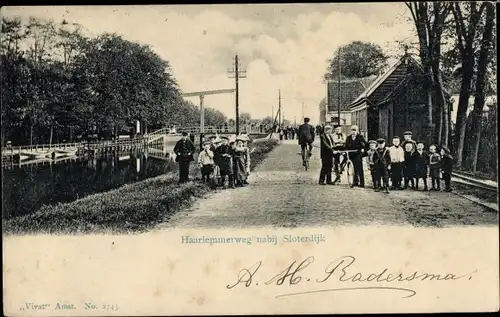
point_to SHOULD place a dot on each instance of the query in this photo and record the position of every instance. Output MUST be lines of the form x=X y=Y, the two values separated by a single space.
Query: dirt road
x=282 y=194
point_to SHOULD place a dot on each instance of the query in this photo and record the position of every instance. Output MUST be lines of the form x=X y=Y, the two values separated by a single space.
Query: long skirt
x=239 y=164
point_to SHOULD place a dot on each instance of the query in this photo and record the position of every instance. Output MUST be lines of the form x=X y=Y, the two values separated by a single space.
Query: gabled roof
x=349 y=90
x=377 y=82
x=386 y=78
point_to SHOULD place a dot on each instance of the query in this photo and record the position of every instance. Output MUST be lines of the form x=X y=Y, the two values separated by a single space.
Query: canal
x=27 y=188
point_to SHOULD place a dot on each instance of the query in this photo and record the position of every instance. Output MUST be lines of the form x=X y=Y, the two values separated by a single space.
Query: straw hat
x=217 y=140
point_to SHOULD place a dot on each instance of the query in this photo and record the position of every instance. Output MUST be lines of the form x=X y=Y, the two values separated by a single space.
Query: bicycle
x=346 y=163
x=306 y=155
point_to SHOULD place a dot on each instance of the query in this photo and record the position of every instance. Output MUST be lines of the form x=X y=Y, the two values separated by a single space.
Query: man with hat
x=338 y=145
x=408 y=139
x=326 y=153
x=381 y=165
x=184 y=150
x=306 y=138
x=356 y=142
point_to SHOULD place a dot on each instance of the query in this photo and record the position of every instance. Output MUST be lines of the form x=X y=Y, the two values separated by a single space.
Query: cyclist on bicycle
x=306 y=138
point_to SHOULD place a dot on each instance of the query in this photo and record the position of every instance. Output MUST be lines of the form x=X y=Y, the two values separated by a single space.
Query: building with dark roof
x=394 y=103
x=350 y=89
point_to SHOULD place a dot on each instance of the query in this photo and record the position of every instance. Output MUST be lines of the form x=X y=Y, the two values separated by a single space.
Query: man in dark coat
x=408 y=139
x=306 y=137
x=357 y=142
x=223 y=157
x=326 y=153
x=184 y=150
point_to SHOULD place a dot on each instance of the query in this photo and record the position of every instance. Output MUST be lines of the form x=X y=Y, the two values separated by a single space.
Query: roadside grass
x=132 y=208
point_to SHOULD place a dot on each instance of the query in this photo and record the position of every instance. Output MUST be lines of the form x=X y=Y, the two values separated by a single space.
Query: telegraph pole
x=279 y=108
x=339 y=98
x=237 y=73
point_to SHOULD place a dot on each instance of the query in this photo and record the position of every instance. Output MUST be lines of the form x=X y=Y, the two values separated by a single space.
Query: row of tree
x=457 y=44
x=457 y=49
x=58 y=83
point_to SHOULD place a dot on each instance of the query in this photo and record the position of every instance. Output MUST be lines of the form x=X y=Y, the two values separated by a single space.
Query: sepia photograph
x=165 y=159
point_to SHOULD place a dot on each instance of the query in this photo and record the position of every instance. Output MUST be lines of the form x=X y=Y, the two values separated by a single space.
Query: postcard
x=249 y=159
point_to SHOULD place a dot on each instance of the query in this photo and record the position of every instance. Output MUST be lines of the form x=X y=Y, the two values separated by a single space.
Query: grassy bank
x=132 y=208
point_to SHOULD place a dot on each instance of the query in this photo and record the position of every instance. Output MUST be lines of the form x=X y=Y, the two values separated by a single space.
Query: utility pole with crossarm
x=237 y=73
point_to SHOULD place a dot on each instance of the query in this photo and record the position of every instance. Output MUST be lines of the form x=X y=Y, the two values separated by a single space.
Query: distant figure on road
x=357 y=142
x=184 y=150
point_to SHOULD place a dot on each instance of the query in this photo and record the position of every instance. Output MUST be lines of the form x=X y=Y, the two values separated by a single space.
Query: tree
x=53 y=77
x=481 y=81
x=357 y=60
x=466 y=20
x=214 y=117
x=430 y=20
x=245 y=117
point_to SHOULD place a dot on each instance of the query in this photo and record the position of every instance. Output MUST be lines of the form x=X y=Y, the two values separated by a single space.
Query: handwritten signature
x=340 y=270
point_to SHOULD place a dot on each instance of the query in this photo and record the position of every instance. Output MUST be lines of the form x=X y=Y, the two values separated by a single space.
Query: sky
x=281 y=46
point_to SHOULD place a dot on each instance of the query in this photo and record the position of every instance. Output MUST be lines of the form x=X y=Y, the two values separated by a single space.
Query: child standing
x=240 y=151
x=371 y=151
x=246 y=140
x=435 y=168
x=397 y=155
x=409 y=166
x=381 y=165
x=224 y=160
x=206 y=162
x=447 y=165
x=421 y=159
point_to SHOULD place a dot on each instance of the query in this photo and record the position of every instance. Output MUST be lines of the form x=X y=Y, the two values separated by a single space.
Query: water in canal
x=25 y=189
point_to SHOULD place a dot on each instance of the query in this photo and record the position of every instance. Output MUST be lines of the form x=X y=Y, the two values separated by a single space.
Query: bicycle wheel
x=306 y=166
x=350 y=173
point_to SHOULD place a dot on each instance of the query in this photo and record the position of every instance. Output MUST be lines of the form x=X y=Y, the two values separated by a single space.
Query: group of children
x=409 y=161
x=225 y=157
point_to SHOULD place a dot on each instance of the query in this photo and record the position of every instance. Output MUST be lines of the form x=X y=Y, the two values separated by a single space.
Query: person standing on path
x=223 y=155
x=206 y=162
x=239 y=162
x=338 y=145
x=357 y=142
x=381 y=165
x=306 y=138
x=421 y=159
x=447 y=166
x=397 y=159
x=184 y=150
x=326 y=153
x=407 y=136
